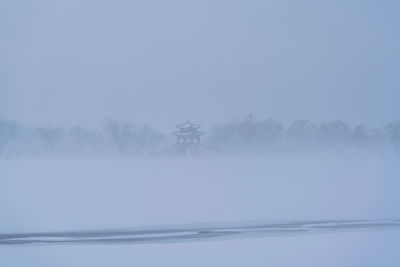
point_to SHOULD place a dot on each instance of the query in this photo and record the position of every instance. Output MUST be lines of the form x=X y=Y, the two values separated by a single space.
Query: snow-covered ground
x=75 y=195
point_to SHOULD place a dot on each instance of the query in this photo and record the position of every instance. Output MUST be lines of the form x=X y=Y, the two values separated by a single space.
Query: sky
x=163 y=62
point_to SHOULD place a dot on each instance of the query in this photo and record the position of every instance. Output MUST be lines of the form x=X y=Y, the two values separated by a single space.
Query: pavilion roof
x=188 y=124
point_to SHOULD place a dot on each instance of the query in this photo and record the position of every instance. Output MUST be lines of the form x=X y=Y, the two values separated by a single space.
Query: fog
x=199 y=133
x=79 y=62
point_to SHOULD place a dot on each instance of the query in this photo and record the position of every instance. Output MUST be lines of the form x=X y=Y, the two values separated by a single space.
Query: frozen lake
x=281 y=212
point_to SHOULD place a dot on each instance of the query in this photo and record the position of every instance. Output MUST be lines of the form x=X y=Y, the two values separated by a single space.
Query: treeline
x=116 y=139
x=246 y=136
x=270 y=137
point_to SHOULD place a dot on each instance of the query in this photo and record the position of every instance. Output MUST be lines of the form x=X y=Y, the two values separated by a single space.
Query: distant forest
x=245 y=136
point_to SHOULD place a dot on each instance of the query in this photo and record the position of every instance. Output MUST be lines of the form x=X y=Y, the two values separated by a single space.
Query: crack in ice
x=196 y=232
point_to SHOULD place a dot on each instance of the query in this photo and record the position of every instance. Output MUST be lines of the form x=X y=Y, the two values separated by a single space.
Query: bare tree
x=360 y=137
x=271 y=131
x=334 y=134
x=8 y=131
x=392 y=131
x=132 y=140
x=301 y=135
x=113 y=130
x=50 y=137
x=246 y=136
x=84 y=141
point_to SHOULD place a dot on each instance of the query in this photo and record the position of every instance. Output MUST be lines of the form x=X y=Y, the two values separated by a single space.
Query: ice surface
x=47 y=196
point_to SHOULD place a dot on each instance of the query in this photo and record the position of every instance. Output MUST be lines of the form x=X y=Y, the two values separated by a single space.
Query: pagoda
x=188 y=134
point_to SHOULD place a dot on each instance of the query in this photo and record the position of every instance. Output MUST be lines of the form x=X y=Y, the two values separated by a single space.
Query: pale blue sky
x=162 y=62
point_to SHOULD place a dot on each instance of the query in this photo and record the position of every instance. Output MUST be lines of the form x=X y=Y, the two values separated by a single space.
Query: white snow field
x=41 y=196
